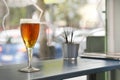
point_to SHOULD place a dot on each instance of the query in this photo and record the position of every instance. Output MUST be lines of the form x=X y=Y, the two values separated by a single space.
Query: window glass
x=84 y=18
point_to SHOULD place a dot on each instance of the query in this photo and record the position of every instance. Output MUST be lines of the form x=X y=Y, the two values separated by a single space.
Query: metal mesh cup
x=70 y=50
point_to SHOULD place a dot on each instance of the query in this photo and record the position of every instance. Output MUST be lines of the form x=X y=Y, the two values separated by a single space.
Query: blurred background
x=85 y=18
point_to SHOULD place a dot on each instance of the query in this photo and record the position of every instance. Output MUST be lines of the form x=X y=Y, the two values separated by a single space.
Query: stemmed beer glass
x=29 y=31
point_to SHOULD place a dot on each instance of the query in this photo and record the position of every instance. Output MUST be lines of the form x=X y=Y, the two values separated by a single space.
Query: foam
x=29 y=21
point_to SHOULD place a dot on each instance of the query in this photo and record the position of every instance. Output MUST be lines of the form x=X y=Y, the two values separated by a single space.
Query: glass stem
x=30 y=52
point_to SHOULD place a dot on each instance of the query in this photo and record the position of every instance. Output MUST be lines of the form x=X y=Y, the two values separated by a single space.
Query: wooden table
x=58 y=69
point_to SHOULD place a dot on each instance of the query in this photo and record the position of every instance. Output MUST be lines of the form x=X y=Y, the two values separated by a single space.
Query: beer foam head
x=29 y=21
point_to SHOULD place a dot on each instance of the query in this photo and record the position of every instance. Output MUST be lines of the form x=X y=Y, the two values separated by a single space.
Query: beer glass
x=29 y=31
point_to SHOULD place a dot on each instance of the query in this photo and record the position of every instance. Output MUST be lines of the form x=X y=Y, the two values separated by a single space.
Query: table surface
x=58 y=69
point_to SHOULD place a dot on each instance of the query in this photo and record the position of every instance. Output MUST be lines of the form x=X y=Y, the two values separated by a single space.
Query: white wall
x=117 y=25
x=113 y=13
x=110 y=25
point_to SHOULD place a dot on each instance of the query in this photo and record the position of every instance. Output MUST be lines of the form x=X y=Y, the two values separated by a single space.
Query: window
x=86 y=18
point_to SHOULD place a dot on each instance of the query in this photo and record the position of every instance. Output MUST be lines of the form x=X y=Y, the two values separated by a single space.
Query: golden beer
x=30 y=32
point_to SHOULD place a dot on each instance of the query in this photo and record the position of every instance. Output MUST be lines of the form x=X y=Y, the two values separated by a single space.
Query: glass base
x=29 y=70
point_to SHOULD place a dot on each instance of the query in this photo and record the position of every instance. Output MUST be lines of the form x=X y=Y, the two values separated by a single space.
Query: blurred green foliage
x=16 y=14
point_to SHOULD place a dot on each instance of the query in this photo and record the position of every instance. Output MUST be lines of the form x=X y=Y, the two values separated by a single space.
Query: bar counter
x=58 y=69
